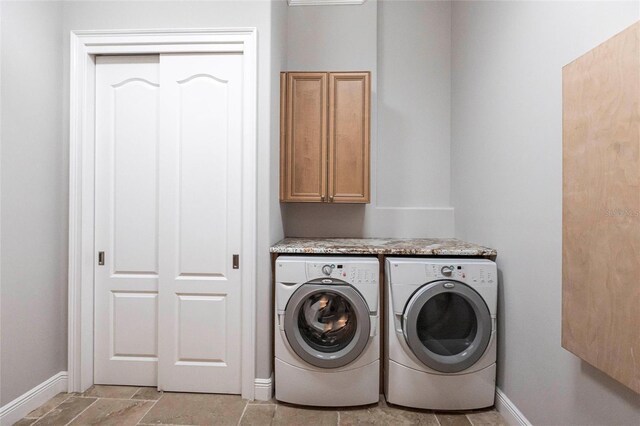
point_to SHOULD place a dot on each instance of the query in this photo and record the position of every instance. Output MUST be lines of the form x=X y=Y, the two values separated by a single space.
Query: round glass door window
x=327 y=322
x=327 y=325
x=447 y=326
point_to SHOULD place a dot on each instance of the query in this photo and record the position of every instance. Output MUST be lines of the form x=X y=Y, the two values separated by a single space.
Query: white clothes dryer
x=327 y=349
x=440 y=351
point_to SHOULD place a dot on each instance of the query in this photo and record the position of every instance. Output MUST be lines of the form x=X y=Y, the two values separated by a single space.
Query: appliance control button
x=447 y=271
x=327 y=269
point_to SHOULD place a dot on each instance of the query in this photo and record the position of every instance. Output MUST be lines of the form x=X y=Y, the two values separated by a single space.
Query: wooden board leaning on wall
x=601 y=207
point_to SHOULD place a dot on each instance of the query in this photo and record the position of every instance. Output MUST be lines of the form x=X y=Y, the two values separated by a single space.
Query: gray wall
x=406 y=46
x=414 y=109
x=276 y=231
x=507 y=190
x=34 y=205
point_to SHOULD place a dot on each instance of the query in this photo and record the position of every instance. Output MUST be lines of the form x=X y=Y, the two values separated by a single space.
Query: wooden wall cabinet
x=601 y=207
x=324 y=137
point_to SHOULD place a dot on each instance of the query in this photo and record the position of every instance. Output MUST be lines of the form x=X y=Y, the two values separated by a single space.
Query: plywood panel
x=349 y=137
x=601 y=207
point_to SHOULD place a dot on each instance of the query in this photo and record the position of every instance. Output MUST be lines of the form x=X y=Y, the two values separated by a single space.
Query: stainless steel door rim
x=465 y=311
x=315 y=348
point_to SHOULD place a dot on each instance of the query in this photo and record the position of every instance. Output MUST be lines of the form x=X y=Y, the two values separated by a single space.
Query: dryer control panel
x=406 y=275
x=475 y=273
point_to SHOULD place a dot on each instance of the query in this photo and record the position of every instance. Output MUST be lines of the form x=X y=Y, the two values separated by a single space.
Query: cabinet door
x=305 y=138
x=349 y=117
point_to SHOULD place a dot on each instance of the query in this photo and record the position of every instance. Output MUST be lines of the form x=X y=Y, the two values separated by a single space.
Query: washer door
x=327 y=325
x=447 y=325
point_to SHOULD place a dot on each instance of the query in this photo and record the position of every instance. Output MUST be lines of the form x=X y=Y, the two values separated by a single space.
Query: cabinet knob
x=331 y=198
x=322 y=198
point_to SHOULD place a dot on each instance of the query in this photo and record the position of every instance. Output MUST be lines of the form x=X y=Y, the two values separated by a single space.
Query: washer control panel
x=349 y=272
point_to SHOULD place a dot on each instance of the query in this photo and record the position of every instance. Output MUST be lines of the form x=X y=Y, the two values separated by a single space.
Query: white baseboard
x=32 y=399
x=509 y=411
x=263 y=389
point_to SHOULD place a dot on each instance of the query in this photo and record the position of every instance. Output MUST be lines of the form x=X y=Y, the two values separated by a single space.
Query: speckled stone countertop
x=387 y=246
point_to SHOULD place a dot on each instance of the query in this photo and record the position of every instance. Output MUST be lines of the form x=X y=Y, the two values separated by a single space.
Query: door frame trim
x=84 y=46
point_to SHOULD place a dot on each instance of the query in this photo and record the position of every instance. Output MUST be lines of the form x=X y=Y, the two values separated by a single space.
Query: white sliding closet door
x=126 y=286
x=168 y=219
x=200 y=222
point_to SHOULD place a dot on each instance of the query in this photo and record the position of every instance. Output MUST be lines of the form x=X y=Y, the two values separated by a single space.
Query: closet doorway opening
x=162 y=245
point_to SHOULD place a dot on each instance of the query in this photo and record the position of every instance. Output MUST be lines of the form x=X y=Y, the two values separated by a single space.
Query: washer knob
x=327 y=269
x=447 y=271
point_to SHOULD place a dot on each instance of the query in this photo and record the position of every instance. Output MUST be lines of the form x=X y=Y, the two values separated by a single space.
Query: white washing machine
x=327 y=348
x=441 y=333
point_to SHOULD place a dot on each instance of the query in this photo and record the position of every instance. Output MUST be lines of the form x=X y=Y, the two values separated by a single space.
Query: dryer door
x=447 y=325
x=327 y=323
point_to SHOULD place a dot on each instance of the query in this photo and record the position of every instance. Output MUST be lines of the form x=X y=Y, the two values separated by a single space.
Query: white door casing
x=85 y=46
x=200 y=222
x=126 y=220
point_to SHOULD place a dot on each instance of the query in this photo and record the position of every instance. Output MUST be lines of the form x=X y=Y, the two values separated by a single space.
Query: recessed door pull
x=100 y=258
x=236 y=261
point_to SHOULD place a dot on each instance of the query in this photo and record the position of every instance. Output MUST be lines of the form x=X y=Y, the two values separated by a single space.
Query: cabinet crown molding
x=324 y=2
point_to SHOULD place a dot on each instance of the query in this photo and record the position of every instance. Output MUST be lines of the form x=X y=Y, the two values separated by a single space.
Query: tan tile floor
x=128 y=405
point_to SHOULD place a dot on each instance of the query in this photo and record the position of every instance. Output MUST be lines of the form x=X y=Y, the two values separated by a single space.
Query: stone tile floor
x=128 y=405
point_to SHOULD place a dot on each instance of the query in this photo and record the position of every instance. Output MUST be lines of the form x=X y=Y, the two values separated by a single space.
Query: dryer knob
x=447 y=271
x=327 y=269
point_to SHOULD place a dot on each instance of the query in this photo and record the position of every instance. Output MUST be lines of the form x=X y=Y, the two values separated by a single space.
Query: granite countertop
x=387 y=246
